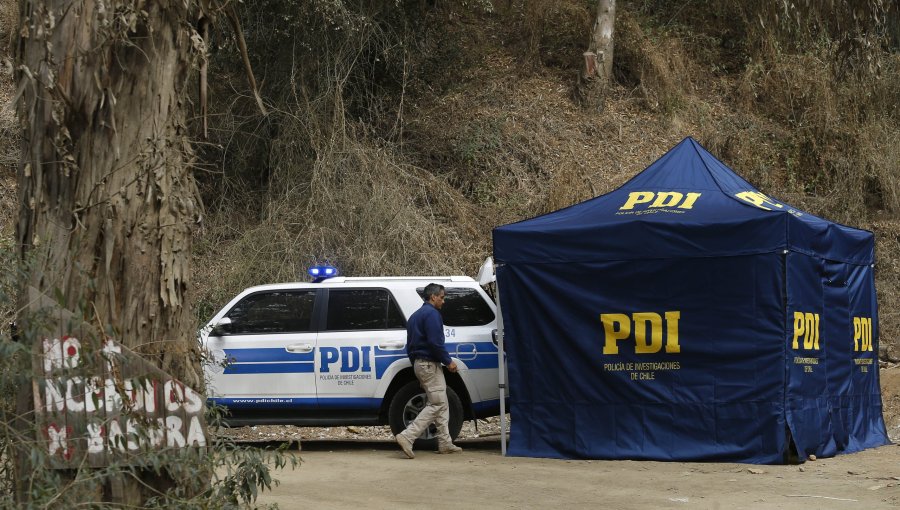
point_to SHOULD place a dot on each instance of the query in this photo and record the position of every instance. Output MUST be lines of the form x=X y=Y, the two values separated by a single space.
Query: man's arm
x=434 y=335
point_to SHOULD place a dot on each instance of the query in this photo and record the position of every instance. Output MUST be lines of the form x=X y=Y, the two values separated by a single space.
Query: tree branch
x=242 y=44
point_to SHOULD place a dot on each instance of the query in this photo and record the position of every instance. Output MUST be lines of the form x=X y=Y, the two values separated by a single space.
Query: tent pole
x=501 y=365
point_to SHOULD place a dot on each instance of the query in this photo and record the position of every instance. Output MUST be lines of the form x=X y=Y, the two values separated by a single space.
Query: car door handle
x=299 y=348
x=392 y=345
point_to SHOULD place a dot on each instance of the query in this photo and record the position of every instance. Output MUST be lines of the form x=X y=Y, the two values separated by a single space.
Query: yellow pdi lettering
x=667 y=199
x=759 y=200
x=689 y=201
x=811 y=340
x=661 y=199
x=637 y=197
x=806 y=326
x=616 y=326
x=672 y=346
x=799 y=329
x=862 y=334
x=641 y=343
x=867 y=333
x=648 y=332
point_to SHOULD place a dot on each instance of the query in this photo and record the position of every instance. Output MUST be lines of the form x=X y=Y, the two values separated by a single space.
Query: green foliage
x=479 y=141
x=248 y=471
x=11 y=355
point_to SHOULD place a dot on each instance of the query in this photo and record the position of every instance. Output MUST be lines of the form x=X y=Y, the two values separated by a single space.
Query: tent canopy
x=686 y=315
x=686 y=204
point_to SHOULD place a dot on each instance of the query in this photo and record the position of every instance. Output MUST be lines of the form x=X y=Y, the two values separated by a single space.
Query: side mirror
x=223 y=327
x=486 y=273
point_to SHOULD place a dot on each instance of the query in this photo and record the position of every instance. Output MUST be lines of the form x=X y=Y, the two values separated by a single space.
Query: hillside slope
x=446 y=121
x=400 y=135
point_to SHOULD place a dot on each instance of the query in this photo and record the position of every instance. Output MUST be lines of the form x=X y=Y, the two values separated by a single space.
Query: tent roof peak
x=686 y=203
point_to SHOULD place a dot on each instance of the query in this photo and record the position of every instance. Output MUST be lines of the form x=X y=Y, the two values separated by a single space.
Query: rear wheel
x=409 y=401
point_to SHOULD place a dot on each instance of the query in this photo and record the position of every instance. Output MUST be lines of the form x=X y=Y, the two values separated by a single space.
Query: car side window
x=273 y=312
x=357 y=309
x=463 y=306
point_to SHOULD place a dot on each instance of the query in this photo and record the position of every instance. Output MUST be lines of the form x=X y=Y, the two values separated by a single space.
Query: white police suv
x=333 y=352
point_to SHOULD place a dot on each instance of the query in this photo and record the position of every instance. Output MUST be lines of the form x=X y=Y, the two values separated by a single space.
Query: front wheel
x=409 y=401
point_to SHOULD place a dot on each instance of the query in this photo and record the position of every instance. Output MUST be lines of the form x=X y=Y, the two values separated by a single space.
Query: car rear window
x=273 y=312
x=463 y=306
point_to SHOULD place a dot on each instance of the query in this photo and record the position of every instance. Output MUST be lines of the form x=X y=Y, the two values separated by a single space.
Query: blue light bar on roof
x=321 y=272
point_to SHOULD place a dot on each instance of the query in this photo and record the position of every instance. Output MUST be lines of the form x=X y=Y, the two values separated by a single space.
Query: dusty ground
x=374 y=474
x=890 y=398
x=360 y=467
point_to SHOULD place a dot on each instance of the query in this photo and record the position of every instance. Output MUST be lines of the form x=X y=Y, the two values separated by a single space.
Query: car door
x=266 y=353
x=364 y=331
x=469 y=322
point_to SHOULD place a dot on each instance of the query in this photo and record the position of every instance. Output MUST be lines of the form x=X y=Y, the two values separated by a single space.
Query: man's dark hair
x=432 y=289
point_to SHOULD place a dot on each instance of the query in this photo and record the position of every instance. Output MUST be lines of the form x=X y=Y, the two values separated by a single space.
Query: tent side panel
x=862 y=405
x=833 y=397
x=669 y=359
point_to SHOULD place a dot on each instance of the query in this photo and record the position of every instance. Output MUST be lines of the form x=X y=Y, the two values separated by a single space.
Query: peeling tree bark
x=106 y=196
x=105 y=192
x=599 y=56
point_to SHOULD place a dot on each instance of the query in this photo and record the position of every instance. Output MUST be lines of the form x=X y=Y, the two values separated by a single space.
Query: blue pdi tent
x=687 y=316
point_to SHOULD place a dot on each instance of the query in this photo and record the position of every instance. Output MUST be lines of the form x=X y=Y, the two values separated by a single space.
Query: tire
x=406 y=404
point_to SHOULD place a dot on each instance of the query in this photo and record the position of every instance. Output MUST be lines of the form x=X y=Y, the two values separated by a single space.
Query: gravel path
x=489 y=427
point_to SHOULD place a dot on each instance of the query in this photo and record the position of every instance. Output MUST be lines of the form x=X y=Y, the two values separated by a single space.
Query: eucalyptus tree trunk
x=106 y=197
x=598 y=59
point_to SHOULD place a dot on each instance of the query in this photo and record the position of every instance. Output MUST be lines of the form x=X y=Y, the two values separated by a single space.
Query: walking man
x=426 y=351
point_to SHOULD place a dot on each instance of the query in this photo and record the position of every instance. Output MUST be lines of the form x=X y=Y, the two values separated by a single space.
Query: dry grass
x=473 y=125
x=490 y=135
x=887 y=282
x=9 y=156
x=657 y=68
x=9 y=138
x=355 y=207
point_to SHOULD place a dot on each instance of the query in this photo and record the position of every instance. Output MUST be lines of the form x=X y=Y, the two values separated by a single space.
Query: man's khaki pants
x=437 y=411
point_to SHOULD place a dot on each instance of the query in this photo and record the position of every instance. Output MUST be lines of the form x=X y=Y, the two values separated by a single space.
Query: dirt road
x=374 y=474
x=370 y=472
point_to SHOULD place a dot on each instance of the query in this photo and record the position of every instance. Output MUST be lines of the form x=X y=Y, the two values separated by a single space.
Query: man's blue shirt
x=425 y=335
